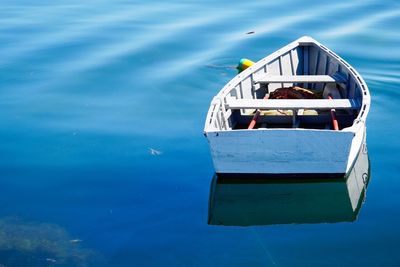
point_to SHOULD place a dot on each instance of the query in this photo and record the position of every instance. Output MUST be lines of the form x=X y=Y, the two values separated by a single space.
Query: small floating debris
x=250 y=32
x=154 y=152
x=51 y=260
x=75 y=241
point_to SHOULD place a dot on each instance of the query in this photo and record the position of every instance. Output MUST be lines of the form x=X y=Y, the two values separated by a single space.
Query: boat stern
x=280 y=151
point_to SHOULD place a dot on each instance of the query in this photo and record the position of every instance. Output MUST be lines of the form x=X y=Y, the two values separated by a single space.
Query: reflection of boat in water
x=241 y=201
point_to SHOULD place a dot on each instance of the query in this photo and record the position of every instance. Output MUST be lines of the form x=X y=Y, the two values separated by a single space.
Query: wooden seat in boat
x=262 y=104
x=301 y=79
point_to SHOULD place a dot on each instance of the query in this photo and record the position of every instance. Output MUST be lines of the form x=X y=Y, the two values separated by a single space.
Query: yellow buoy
x=244 y=63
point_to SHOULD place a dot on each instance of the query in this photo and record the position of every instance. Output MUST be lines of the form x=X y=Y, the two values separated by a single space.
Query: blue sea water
x=102 y=107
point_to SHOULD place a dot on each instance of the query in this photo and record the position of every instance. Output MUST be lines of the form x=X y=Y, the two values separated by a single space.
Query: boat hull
x=284 y=151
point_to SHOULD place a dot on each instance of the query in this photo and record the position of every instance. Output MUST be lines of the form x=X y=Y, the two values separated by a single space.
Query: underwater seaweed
x=41 y=244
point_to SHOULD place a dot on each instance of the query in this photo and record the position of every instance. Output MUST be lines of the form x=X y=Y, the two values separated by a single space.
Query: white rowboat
x=295 y=142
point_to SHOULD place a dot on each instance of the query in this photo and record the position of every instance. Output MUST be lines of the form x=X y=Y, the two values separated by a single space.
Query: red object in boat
x=255 y=117
x=333 y=116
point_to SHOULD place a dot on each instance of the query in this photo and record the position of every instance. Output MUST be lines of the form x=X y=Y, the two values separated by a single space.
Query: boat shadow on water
x=244 y=201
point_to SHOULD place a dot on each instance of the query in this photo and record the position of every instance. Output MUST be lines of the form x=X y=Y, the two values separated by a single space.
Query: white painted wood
x=321 y=69
x=292 y=64
x=356 y=182
x=280 y=151
x=300 y=79
x=314 y=54
x=286 y=67
x=274 y=69
x=247 y=86
x=297 y=59
x=358 y=139
x=292 y=104
x=306 y=59
x=306 y=62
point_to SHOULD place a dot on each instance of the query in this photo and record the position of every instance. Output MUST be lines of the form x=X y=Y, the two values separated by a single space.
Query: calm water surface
x=102 y=105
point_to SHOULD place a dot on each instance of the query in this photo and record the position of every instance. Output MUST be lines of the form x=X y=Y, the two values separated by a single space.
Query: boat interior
x=337 y=89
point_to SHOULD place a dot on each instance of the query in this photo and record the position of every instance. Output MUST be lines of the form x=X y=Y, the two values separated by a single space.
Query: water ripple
x=362 y=25
x=76 y=29
x=262 y=29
